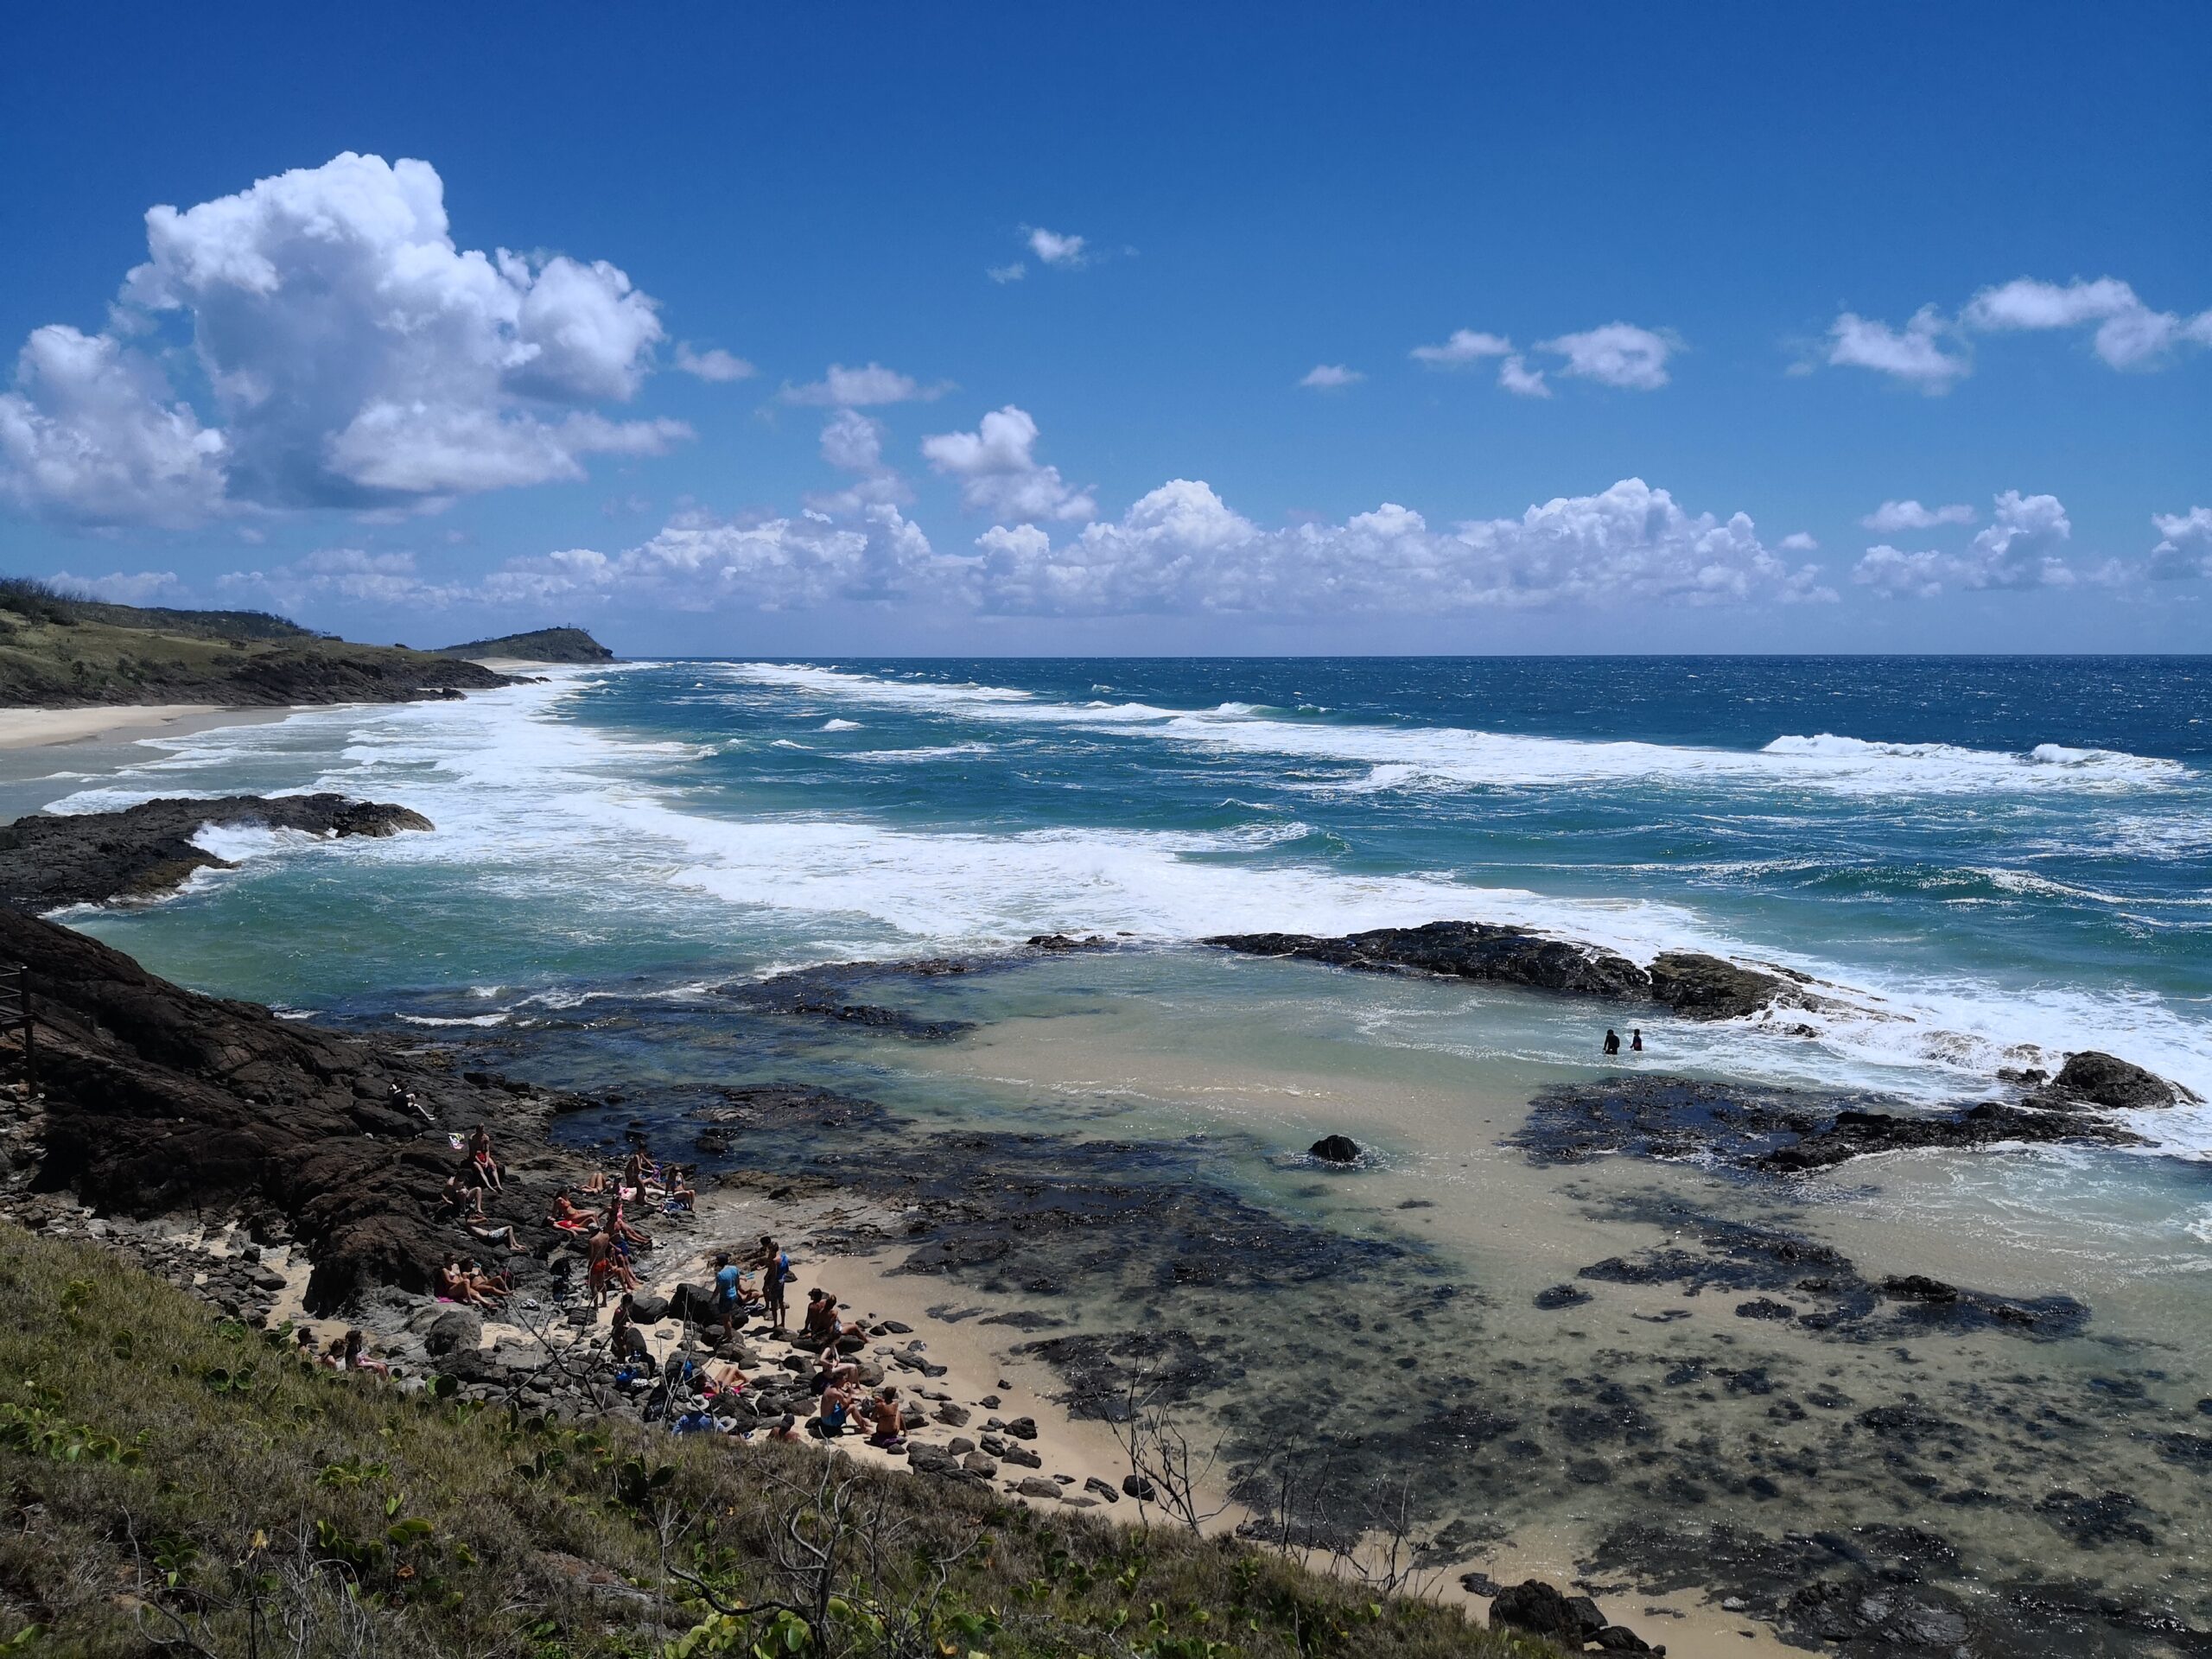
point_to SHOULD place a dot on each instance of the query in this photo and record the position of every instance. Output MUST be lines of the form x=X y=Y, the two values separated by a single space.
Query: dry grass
x=176 y=1484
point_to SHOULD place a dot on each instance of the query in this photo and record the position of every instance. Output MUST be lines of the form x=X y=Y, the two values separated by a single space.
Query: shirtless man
x=889 y=1431
x=773 y=1264
x=606 y=1266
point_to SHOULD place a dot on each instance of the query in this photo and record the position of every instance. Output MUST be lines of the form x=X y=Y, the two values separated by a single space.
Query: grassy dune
x=56 y=651
x=180 y=1483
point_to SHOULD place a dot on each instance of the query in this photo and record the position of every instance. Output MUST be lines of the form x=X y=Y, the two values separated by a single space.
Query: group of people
x=1613 y=1041
x=347 y=1353
x=754 y=1284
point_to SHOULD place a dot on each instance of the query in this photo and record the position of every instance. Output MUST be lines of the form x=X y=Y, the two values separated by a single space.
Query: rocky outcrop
x=1693 y=985
x=160 y=1101
x=2102 y=1080
x=1334 y=1150
x=1775 y=1131
x=50 y=860
x=1485 y=950
x=1701 y=987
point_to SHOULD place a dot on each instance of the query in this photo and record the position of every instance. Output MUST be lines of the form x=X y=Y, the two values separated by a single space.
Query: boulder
x=1541 y=1609
x=1335 y=1149
x=646 y=1307
x=456 y=1330
x=1139 y=1488
x=1483 y=951
x=1098 y=1488
x=1023 y=1429
x=1036 y=1486
x=1702 y=987
x=1559 y=1296
x=2104 y=1080
x=695 y=1303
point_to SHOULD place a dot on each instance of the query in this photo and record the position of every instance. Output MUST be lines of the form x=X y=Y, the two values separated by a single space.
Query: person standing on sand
x=1613 y=1042
x=775 y=1270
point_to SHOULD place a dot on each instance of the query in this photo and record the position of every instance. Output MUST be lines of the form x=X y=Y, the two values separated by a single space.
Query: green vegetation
x=180 y=1483
x=57 y=650
x=542 y=645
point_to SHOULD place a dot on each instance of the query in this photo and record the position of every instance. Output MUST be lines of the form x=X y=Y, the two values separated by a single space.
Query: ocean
x=1981 y=863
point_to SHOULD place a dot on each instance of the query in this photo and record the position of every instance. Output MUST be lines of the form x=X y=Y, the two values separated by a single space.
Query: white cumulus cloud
x=1614 y=354
x=1617 y=354
x=1327 y=377
x=2129 y=333
x=870 y=383
x=999 y=473
x=1915 y=355
x=714 y=364
x=1053 y=249
x=1518 y=378
x=2184 y=549
x=1894 y=516
x=1465 y=346
x=1181 y=548
x=2021 y=547
x=347 y=344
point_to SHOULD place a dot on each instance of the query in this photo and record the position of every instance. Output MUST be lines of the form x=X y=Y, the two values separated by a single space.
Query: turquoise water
x=1987 y=861
x=1983 y=863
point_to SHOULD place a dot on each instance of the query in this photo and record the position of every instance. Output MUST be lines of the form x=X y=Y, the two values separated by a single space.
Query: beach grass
x=180 y=1483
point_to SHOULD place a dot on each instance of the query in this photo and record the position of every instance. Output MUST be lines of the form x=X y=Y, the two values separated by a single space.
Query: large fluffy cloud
x=2129 y=333
x=350 y=353
x=2021 y=547
x=999 y=472
x=1181 y=548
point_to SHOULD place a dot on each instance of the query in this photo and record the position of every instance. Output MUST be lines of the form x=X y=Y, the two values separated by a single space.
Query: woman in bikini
x=358 y=1358
x=480 y=1159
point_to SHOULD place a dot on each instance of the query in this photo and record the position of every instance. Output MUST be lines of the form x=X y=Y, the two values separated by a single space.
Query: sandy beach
x=32 y=728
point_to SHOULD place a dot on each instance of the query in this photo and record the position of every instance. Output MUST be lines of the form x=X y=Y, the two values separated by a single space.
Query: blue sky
x=1682 y=252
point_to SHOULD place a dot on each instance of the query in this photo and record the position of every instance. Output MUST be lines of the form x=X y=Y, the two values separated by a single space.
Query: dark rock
x=1335 y=1149
x=1559 y=1296
x=952 y=1416
x=47 y=860
x=1100 y=1488
x=1016 y=1452
x=1135 y=1486
x=1619 y=1638
x=2104 y=1080
x=2097 y=1523
x=1764 y=1307
x=456 y=1330
x=1023 y=1429
x=1482 y=951
x=646 y=1307
x=1706 y=988
x=695 y=1303
x=1541 y=1609
x=1586 y=1614
x=1036 y=1486
x=158 y=1100
x=1918 y=1287
x=1062 y=941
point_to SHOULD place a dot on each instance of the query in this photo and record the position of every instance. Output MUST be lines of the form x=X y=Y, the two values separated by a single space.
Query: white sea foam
x=1458 y=757
x=471 y=1020
x=841 y=725
x=543 y=809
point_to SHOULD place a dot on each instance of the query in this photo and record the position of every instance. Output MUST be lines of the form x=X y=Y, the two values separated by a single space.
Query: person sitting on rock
x=334 y=1357
x=303 y=1343
x=819 y=1328
x=678 y=1193
x=628 y=1342
x=358 y=1357
x=497 y=1286
x=456 y=1286
x=889 y=1431
x=621 y=1231
x=461 y=1197
x=832 y=1368
x=836 y=1409
x=480 y=1159
x=633 y=1175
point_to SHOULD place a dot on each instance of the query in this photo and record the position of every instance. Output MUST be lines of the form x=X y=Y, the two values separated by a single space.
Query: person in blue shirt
x=729 y=1294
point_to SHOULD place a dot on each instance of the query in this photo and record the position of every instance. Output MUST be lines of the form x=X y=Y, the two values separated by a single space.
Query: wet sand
x=31 y=728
